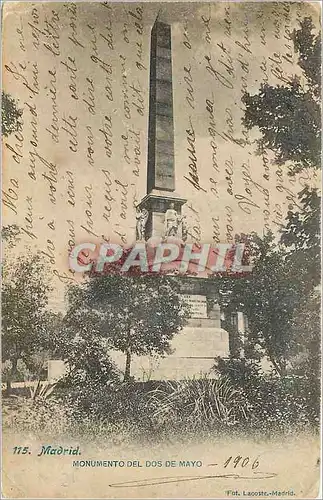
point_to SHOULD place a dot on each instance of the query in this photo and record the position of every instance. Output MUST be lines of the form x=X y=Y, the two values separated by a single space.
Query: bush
x=42 y=415
x=22 y=373
x=160 y=409
x=115 y=406
x=285 y=403
x=243 y=401
x=274 y=404
x=198 y=404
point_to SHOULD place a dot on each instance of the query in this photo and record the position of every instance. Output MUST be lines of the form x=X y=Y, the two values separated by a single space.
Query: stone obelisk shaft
x=161 y=172
x=161 y=166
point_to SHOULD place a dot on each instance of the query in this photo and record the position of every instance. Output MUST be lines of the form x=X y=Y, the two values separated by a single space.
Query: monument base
x=196 y=347
x=157 y=203
x=195 y=350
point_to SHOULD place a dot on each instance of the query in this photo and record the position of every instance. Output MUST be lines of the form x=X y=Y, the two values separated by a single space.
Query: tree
x=301 y=238
x=289 y=116
x=79 y=342
x=280 y=295
x=10 y=234
x=306 y=352
x=11 y=115
x=26 y=320
x=308 y=46
x=133 y=314
x=269 y=297
x=289 y=119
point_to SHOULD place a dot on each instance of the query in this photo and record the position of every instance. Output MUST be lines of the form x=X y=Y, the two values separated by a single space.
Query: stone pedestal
x=204 y=313
x=157 y=203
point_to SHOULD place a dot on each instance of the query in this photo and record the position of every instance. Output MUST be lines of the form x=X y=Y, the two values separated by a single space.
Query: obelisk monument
x=161 y=196
x=160 y=215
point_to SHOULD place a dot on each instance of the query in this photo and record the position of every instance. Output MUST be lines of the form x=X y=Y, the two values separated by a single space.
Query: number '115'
x=19 y=450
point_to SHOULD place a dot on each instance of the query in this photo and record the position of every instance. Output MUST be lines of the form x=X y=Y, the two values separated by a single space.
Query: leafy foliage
x=198 y=403
x=289 y=116
x=301 y=238
x=26 y=321
x=86 y=357
x=306 y=352
x=268 y=296
x=274 y=404
x=308 y=46
x=10 y=235
x=281 y=301
x=39 y=415
x=134 y=315
x=11 y=115
x=290 y=122
x=279 y=296
x=161 y=409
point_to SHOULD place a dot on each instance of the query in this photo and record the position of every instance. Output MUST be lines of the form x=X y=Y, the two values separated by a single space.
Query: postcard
x=161 y=250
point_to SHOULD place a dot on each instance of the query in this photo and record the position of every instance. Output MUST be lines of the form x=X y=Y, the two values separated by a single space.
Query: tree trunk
x=277 y=366
x=8 y=388
x=11 y=376
x=127 y=368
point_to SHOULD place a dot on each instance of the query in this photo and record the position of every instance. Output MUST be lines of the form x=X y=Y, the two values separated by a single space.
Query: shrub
x=160 y=409
x=38 y=416
x=274 y=404
x=115 y=403
x=198 y=404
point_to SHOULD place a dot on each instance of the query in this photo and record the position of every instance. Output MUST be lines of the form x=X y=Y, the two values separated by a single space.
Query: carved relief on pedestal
x=142 y=218
x=175 y=224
